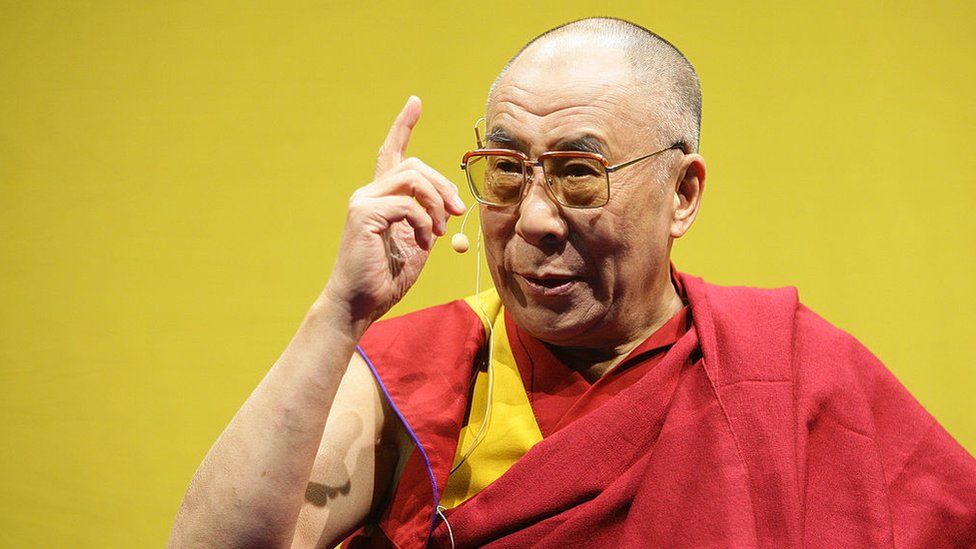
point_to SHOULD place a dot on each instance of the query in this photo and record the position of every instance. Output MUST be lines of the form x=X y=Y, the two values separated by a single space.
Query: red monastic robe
x=559 y=394
x=763 y=425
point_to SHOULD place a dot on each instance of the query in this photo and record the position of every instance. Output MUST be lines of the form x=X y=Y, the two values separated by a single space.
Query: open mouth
x=549 y=282
x=549 y=285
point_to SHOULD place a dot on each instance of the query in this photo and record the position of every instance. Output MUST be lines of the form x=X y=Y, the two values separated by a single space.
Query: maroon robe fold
x=763 y=425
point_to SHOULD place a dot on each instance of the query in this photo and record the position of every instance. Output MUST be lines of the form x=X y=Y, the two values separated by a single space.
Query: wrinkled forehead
x=565 y=86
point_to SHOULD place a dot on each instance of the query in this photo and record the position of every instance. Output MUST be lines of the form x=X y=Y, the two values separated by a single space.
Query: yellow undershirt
x=512 y=429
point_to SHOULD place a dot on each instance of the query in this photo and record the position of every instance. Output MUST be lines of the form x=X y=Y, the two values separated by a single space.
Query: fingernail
x=457 y=203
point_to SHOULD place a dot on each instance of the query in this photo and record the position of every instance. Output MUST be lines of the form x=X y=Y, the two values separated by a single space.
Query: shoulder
x=455 y=320
x=426 y=322
x=768 y=334
x=766 y=323
x=441 y=334
x=745 y=333
x=759 y=333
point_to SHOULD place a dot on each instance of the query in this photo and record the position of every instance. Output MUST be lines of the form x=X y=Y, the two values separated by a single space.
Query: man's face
x=580 y=277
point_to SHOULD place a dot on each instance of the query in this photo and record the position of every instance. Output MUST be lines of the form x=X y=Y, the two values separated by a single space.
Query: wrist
x=337 y=315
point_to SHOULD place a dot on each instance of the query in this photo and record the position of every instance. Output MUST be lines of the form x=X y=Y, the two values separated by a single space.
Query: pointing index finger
x=394 y=147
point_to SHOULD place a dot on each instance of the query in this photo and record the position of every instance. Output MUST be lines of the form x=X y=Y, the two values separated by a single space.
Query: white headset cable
x=491 y=343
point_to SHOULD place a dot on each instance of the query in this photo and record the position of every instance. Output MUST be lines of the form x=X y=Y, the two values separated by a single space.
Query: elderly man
x=596 y=396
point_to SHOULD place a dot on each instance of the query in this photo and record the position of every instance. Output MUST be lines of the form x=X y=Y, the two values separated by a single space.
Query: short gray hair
x=669 y=76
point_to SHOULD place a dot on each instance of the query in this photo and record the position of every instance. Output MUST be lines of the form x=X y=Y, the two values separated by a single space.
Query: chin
x=556 y=328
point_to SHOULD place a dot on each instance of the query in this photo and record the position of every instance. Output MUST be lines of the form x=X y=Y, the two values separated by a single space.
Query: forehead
x=569 y=86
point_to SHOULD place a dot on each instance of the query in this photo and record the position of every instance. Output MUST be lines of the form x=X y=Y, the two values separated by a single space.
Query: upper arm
x=355 y=464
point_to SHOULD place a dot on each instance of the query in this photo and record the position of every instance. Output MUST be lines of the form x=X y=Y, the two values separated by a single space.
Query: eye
x=508 y=166
x=580 y=169
x=574 y=170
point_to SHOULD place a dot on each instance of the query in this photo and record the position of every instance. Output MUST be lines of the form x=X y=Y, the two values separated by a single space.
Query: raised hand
x=391 y=226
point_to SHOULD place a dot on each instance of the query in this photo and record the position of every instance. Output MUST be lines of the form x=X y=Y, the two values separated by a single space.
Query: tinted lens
x=577 y=181
x=496 y=179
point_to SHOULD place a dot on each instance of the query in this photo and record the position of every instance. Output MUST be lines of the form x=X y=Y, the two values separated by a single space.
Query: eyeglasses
x=575 y=179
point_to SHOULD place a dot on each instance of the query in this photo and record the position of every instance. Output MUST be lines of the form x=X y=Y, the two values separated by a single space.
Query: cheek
x=606 y=236
x=643 y=212
x=629 y=236
x=498 y=229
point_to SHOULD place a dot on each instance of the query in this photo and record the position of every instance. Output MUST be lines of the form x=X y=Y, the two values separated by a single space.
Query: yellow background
x=173 y=178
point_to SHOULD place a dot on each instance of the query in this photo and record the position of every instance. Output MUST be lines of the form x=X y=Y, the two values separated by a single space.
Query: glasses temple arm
x=477 y=135
x=677 y=145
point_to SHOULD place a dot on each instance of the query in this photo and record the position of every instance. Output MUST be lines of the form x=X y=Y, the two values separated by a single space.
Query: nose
x=540 y=220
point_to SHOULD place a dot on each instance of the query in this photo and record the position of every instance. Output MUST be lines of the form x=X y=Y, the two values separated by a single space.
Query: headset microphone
x=460 y=241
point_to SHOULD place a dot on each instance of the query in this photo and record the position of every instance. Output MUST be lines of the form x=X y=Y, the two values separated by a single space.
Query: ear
x=688 y=189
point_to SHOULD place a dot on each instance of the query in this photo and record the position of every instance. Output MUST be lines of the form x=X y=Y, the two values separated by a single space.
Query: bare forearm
x=249 y=488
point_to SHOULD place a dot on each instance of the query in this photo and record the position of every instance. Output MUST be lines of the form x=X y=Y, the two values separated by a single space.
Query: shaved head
x=592 y=277
x=669 y=84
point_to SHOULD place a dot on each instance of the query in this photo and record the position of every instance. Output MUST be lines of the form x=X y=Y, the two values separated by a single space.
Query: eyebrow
x=584 y=143
x=502 y=136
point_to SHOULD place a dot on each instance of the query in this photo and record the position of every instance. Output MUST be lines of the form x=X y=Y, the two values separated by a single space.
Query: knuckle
x=413 y=177
x=360 y=199
x=436 y=200
x=356 y=207
x=424 y=188
x=355 y=198
x=442 y=183
x=418 y=213
x=359 y=195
